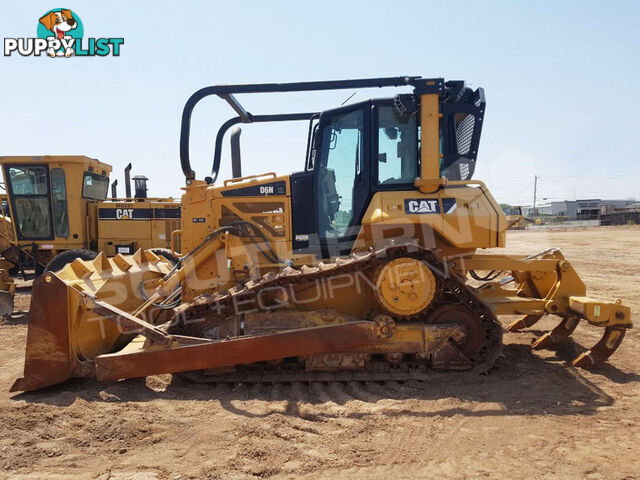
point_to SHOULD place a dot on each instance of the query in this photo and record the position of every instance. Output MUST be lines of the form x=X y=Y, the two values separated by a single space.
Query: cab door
x=342 y=176
x=28 y=188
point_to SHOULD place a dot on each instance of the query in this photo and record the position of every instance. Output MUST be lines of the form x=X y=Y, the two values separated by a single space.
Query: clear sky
x=560 y=80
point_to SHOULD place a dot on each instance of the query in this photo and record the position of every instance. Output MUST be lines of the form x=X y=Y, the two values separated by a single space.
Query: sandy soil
x=532 y=417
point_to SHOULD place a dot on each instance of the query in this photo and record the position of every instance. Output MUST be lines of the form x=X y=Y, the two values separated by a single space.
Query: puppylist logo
x=60 y=33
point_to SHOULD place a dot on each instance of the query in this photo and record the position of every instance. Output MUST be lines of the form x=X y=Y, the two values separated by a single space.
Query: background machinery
x=355 y=268
x=56 y=209
x=517 y=221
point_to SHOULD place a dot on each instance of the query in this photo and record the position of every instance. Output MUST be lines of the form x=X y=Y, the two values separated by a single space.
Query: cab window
x=397 y=147
x=28 y=180
x=59 y=202
x=339 y=164
x=30 y=191
x=94 y=186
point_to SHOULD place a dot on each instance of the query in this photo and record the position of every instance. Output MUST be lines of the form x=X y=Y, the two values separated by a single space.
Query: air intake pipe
x=127 y=181
x=140 y=183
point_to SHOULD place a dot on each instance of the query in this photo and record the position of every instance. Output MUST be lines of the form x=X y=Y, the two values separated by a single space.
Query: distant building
x=629 y=214
x=589 y=209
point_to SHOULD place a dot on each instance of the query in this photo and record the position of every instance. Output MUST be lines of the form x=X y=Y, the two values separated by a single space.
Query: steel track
x=219 y=307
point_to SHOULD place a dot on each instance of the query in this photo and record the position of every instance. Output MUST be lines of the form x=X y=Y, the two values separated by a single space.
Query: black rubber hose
x=492 y=275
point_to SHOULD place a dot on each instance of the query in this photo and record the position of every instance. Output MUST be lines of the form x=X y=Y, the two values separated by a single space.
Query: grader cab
x=56 y=209
x=357 y=267
x=59 y=203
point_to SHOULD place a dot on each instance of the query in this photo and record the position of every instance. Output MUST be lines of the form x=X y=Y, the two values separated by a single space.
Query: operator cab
x=366 y=148
x=346 y=142
x=360 y=149
x=39 y=197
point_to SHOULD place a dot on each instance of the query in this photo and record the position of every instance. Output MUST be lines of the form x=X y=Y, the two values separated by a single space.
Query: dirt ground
x=532 y=417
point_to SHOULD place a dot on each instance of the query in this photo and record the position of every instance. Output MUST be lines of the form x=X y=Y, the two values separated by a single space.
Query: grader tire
x=166 y=253
x=59 y=261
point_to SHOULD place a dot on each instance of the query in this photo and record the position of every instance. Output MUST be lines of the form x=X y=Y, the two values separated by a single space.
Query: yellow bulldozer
x=358 y=267
x=517 y=221
x=55 y=209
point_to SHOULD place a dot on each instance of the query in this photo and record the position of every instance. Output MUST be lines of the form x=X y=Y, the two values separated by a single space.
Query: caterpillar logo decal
x=124 y=213
x=429 y=205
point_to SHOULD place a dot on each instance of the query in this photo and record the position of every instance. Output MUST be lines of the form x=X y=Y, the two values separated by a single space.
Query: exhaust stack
x=127 y=181
x=114 y=190
x=236 y=163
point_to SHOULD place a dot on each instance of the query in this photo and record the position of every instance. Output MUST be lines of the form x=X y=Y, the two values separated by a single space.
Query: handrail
x=248 y=177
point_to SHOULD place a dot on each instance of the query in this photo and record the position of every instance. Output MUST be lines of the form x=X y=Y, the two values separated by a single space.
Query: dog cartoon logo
x=60 y=34
x=64 y=26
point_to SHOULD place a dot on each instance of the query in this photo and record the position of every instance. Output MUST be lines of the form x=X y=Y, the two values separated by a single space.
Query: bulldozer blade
x=66 y=329
x=558 y=334
x=524 y=322
x=6 y=304
x=602 y=350
x=48 y=355
x=347 y=337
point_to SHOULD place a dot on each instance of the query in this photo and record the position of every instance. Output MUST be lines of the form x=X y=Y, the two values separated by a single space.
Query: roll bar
x=226 y=92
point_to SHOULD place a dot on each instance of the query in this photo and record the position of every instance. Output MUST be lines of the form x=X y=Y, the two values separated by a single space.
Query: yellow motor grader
x=57 y=203
x=355 y=268
x=55 y=209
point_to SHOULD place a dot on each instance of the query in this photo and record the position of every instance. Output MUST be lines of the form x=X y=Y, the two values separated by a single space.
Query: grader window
x=94 y=186
x=59 y=202
x=33 y=217
x=28 y=180
x=30 y=191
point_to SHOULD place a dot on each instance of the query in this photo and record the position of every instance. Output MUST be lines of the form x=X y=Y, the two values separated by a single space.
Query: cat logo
x=421 y=206
x=124 y=213
x=429 y=205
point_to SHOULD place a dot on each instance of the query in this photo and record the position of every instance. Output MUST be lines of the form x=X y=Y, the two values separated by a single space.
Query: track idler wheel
x=465 y=341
